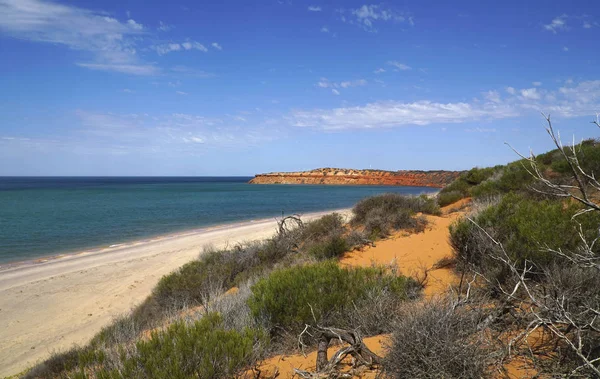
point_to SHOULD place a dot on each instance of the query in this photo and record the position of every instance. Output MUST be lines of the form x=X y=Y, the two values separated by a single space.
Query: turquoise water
x=45 y=216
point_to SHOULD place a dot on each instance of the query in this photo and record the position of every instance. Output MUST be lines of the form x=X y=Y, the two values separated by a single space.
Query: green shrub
x=526 y=228
x=289 y=298
x=323 y=227
x=203 y=349
x=188 y=285
x=450 y=197
x=334 y=247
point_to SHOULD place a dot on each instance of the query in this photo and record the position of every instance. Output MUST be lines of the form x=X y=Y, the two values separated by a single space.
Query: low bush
x=333 y=247
x=527 y=228
x=449 y=197
x=381 y=214
x=433 y=340
x=203 y=349
x=321 y=228
x=321 y=293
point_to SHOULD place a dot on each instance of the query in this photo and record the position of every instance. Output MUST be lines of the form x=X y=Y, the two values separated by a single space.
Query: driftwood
x=327 y=368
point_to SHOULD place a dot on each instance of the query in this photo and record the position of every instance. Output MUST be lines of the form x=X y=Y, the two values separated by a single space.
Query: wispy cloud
x=570 y=100
x=394 y=113
x=122 y=68
x=170 y=47
x=335 y=86
x=181 y=93
x=191 y=72
x=325 y=29
x=216 y=46
x=172 y=132
x=399 y=66
x=111 y=42
x=368 y=15
x=164 y=27
x=557 y=24
x=314 y=8
x=379 y=71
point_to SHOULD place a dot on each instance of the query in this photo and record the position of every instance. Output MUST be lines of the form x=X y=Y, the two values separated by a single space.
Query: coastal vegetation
x=525 y=259
x=223 y=312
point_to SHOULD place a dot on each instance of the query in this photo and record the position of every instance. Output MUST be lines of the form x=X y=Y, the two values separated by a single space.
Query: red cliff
x=342 y=176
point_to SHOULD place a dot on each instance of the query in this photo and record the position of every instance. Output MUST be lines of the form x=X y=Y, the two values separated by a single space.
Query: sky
x=237 y=87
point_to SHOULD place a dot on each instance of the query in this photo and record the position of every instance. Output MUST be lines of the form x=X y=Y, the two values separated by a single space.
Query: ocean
x=42 y=216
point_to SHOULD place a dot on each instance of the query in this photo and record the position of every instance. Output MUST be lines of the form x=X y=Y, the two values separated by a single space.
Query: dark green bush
x=449 y=197
x=289 y=298
x=333 y=247
x=526 y=228
x=187 y=286
x=202 y=350
x=323 y=227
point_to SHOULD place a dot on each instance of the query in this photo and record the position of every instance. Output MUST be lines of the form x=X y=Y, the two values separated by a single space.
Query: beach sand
x=49 y=305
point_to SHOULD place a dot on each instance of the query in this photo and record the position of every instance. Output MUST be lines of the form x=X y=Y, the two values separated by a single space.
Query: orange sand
x=414 y=254
x=285 y=364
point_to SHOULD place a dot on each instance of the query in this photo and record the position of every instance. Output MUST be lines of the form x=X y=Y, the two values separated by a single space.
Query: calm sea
x=45 y=216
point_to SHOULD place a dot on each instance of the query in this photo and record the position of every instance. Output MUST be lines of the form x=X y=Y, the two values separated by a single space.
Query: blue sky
x=241 y=87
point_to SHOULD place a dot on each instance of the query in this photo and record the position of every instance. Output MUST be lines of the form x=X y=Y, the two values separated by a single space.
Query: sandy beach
x=49 y=305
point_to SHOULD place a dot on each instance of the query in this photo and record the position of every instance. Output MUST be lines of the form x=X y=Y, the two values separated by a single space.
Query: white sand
x=47 y=307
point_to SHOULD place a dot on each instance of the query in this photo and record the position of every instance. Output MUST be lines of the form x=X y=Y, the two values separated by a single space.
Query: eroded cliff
x=342 y=176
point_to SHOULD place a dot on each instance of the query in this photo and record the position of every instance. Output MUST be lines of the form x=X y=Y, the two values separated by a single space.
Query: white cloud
x=127 y=90
x=557 y=24
x=537 y=84
x=571 y=100
x=324 y=29
x=134 y=25
x=492 y=96
x=216 y=46
x=187 y=45
x=587 y=25
x=481 y=130
x=335 y=91
x=314 y=8
x=325 y=83
x=367 y=15
x=171 y=132
x=181 y=93
x=394 y=113
x=123 y=68
x=164 y=27
x=110 y=41
x=530 y=94
x=565 y=48
x=399 y=66
x=379 y=71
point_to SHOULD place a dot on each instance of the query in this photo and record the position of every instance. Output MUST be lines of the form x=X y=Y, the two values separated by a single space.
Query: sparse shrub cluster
x=323 y=293
x=379 y=215
x=201 y=349
x=437 y=340
x=527 y=228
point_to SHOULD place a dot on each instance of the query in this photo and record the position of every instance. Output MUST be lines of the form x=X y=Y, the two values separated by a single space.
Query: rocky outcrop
x=342 y=176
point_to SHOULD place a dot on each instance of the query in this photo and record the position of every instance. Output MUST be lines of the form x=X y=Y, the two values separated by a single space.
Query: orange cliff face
x=342 y=176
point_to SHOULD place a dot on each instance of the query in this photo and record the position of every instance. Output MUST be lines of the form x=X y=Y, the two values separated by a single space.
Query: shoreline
x=49 y=306
x=42 y=259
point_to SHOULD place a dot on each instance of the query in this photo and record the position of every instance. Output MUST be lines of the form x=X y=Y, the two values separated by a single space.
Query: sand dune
x=50 y=305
